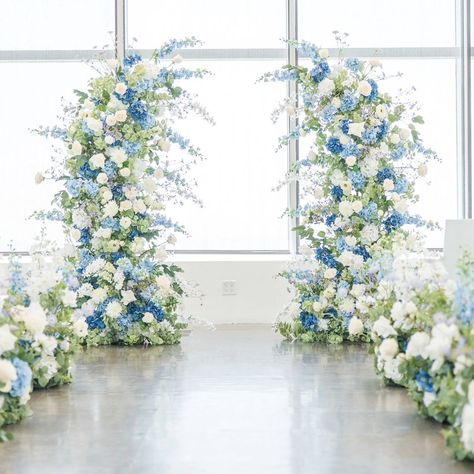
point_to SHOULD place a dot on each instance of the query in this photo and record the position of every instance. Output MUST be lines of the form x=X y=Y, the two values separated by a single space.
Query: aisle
x=235 y=400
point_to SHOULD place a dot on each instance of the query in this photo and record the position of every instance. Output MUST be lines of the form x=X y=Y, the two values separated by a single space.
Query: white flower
x=139 y=206
x=323 y=53
x=388 y=185
x=357 y=206
x=118 y=156
x=80 y=219
x=356 y=129
x=467 y=427
x=80 y=327
x=442 y=337
x=114 y=309
x=358 y=290
x=164 y=145
x=75 y=234
x=163 y=282
x=347 y=305
x=7 y=339
x=345 y=208
x=375 y=62
x=351 y=161
x=351 y=240
x=391 y=369
x=364 y=88
x=417 y=345
x=94 y=124
x=127 y=297
x=7 y=375
x=97 y=160
x=39 y=178
x=326 y=86
x=336 y=102
x=158 y=174
x=356 y=326
x=32 y=316
x=99 y=295
x=404 y=133
x=126 y=205
x=369 y=234
x=388 y=349
x=102 y=178
x=121 y=115
x=69 y=298
x=172 y=239
x=110 y=120
x=395 y=138
x=109 y=139
x=383 y=328
x=177 y=58
x=111 y=209
x=323 y=324
x=317 y=306
x=423 y=170
x=125 y=172
x=318 y=193
x=381 y=111
x=76 y=148
x=330 y=273
x=125 y=222
x=148 y=318
x=121 y=88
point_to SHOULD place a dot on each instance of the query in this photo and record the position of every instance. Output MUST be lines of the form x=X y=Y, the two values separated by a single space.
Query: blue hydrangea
x=358 y=180
x=424 y=381
x=369 y=211
x=345 y=126
x=398 y=152
x=139 y=112
x=131 y=148
x=329 y=113
x=334 y=146
x=87 y=172
x=309 y=321
x=374 y=93
x=348 y=101
x=22 y=384
x=125 y=264
x=385 y=173
x=91 y=188
x=341 y=244
x=320 y=71
x=330 y=220
x=110 y=169
x=401 y=186
x=111 y=223
x=394 y=222
x=324 y=256
x=353 y=64
x=351 y=149
x=85 y=237
x=95 y=321
x=362 y=251
x=73 y=187
x=337 y=192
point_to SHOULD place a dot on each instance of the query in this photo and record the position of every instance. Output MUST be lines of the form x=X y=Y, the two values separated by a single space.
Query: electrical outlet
x=229 y=287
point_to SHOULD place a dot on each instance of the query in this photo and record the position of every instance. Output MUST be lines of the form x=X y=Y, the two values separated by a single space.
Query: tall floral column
x=119 y=175
x=356 y=185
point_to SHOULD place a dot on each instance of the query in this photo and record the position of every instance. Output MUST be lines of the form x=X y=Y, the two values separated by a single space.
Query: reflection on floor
x=234 y=400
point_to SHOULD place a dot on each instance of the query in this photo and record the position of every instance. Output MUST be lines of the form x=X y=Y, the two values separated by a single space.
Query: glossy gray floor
x=234 y=400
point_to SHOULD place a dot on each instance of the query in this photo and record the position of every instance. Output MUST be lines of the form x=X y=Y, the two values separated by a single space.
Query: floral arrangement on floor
x=118 y=177
x=41 y=301
x=356 y=184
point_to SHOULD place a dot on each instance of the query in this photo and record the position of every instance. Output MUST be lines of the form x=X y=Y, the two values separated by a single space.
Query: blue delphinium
x=131 y=60
x=324 y=255
x=398 y=153
x=334 y=145
x=22 y=384
x=320 y=71
x=337 y=192
x=330 y=219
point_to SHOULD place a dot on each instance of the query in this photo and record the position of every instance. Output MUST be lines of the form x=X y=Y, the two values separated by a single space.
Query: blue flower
x=95 y=321
x=351 y=149
x=131 y=148
x=424 y=381
x=398 y=153
x=358 y=180
x=345 y=126
x=385 y=173
x=334 y=145
x=393 y=222
x=73 y=187
x=140 y=114
x=374 y=93
x=131 y=60
x=320 y=71
x=22 y=384
x=330 y=219
x=362 y=251
x=328 y=113
x=111 y=223
x=401 y=186
x=348 y=102
x=91 y=188
x=337 y=192
x=85 y=237
x=309 y=321
x=353 y=64
x=369 y=211
x=87 y=172
x=156 y=311
x=110 y=169
x=324 y=255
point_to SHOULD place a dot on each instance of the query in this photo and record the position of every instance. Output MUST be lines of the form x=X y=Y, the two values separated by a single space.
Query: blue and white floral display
x=119 y=175
x=356 y=185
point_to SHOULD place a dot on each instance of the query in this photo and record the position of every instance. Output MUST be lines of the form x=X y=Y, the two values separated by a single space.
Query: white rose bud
x=148 y=318
x=121 y=115
x=388 y=185
x=330 y=273
x=355 y=326
x=125 y=172
x=364 y=88
x=39 y=178
x=102 y=178
x=125 y=222
x=405 y=134
x=121 y=88
x=75 y=234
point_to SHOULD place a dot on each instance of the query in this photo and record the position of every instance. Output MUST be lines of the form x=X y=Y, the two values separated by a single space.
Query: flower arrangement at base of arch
x=356 y=185
x=119 y=174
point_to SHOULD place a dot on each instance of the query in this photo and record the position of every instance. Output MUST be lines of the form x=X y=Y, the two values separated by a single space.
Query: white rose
x=164 y=145
x=364 y=88
x=148 y=318
x=94 y=124
x=345 y=208
x=106 y=194
x=109 y=139
x=356 y=326
x=351 y=240
x=126 y=205
x=80 y=327
x=39 y=178
x=357 y=206
x=395 y=138
x=121 y=115
x=356 y=129
x=125 y=172
x=114 y=309
x=163 y=282
x=323 y=53
x=336 y=102
x=125 y=222
x=388 y=185
x=69 y=298
x=110 y=120
x=369 y=234
x=383 y=328
x=97 y=160
x=127 y=297
x=351 y=161
x=423 y=170
x=326 y=86
x=7 y=339
x=345 y=140
x=347 y=305
x=381 y=111
x=99 y=295
x=330 y=273
x=76 y=148
x=121 y=88
x=75 y=234
x=102 y=178
x=158 y=174
x=111 y=209
x=139 y=206
x=33 y=316
x=417 y=345
x=7 y=375
x=118 y=156
x=358 y=290
x=404 y=133
x=388 y=349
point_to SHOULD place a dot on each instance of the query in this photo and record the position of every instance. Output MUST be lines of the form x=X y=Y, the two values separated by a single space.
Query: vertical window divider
x=293 y=149
x=120 y=29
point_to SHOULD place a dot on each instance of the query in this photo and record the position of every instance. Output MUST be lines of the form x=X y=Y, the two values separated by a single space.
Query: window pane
x=372 y=23
x=56 y=24
x=241 y=212
x=220 y=24
x=25 y=153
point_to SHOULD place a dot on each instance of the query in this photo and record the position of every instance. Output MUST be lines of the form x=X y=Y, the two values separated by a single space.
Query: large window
x=44 y=43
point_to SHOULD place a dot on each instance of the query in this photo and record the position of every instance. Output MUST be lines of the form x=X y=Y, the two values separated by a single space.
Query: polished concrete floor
x=234 y=400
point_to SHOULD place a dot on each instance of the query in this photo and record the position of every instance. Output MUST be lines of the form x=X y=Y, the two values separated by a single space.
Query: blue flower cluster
x=393 y=222
x=352 y=64
x=337 y=192
x=424 y=381
x=334 y=146
x=320 y=71
x=309 y=321
x=140 y=114
x=22 y=384
x=348 y=101
x=324 y=256
x=358 y=180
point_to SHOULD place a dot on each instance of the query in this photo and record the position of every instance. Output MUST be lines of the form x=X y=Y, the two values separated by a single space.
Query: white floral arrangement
x=356 y=183
x=119 y=174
